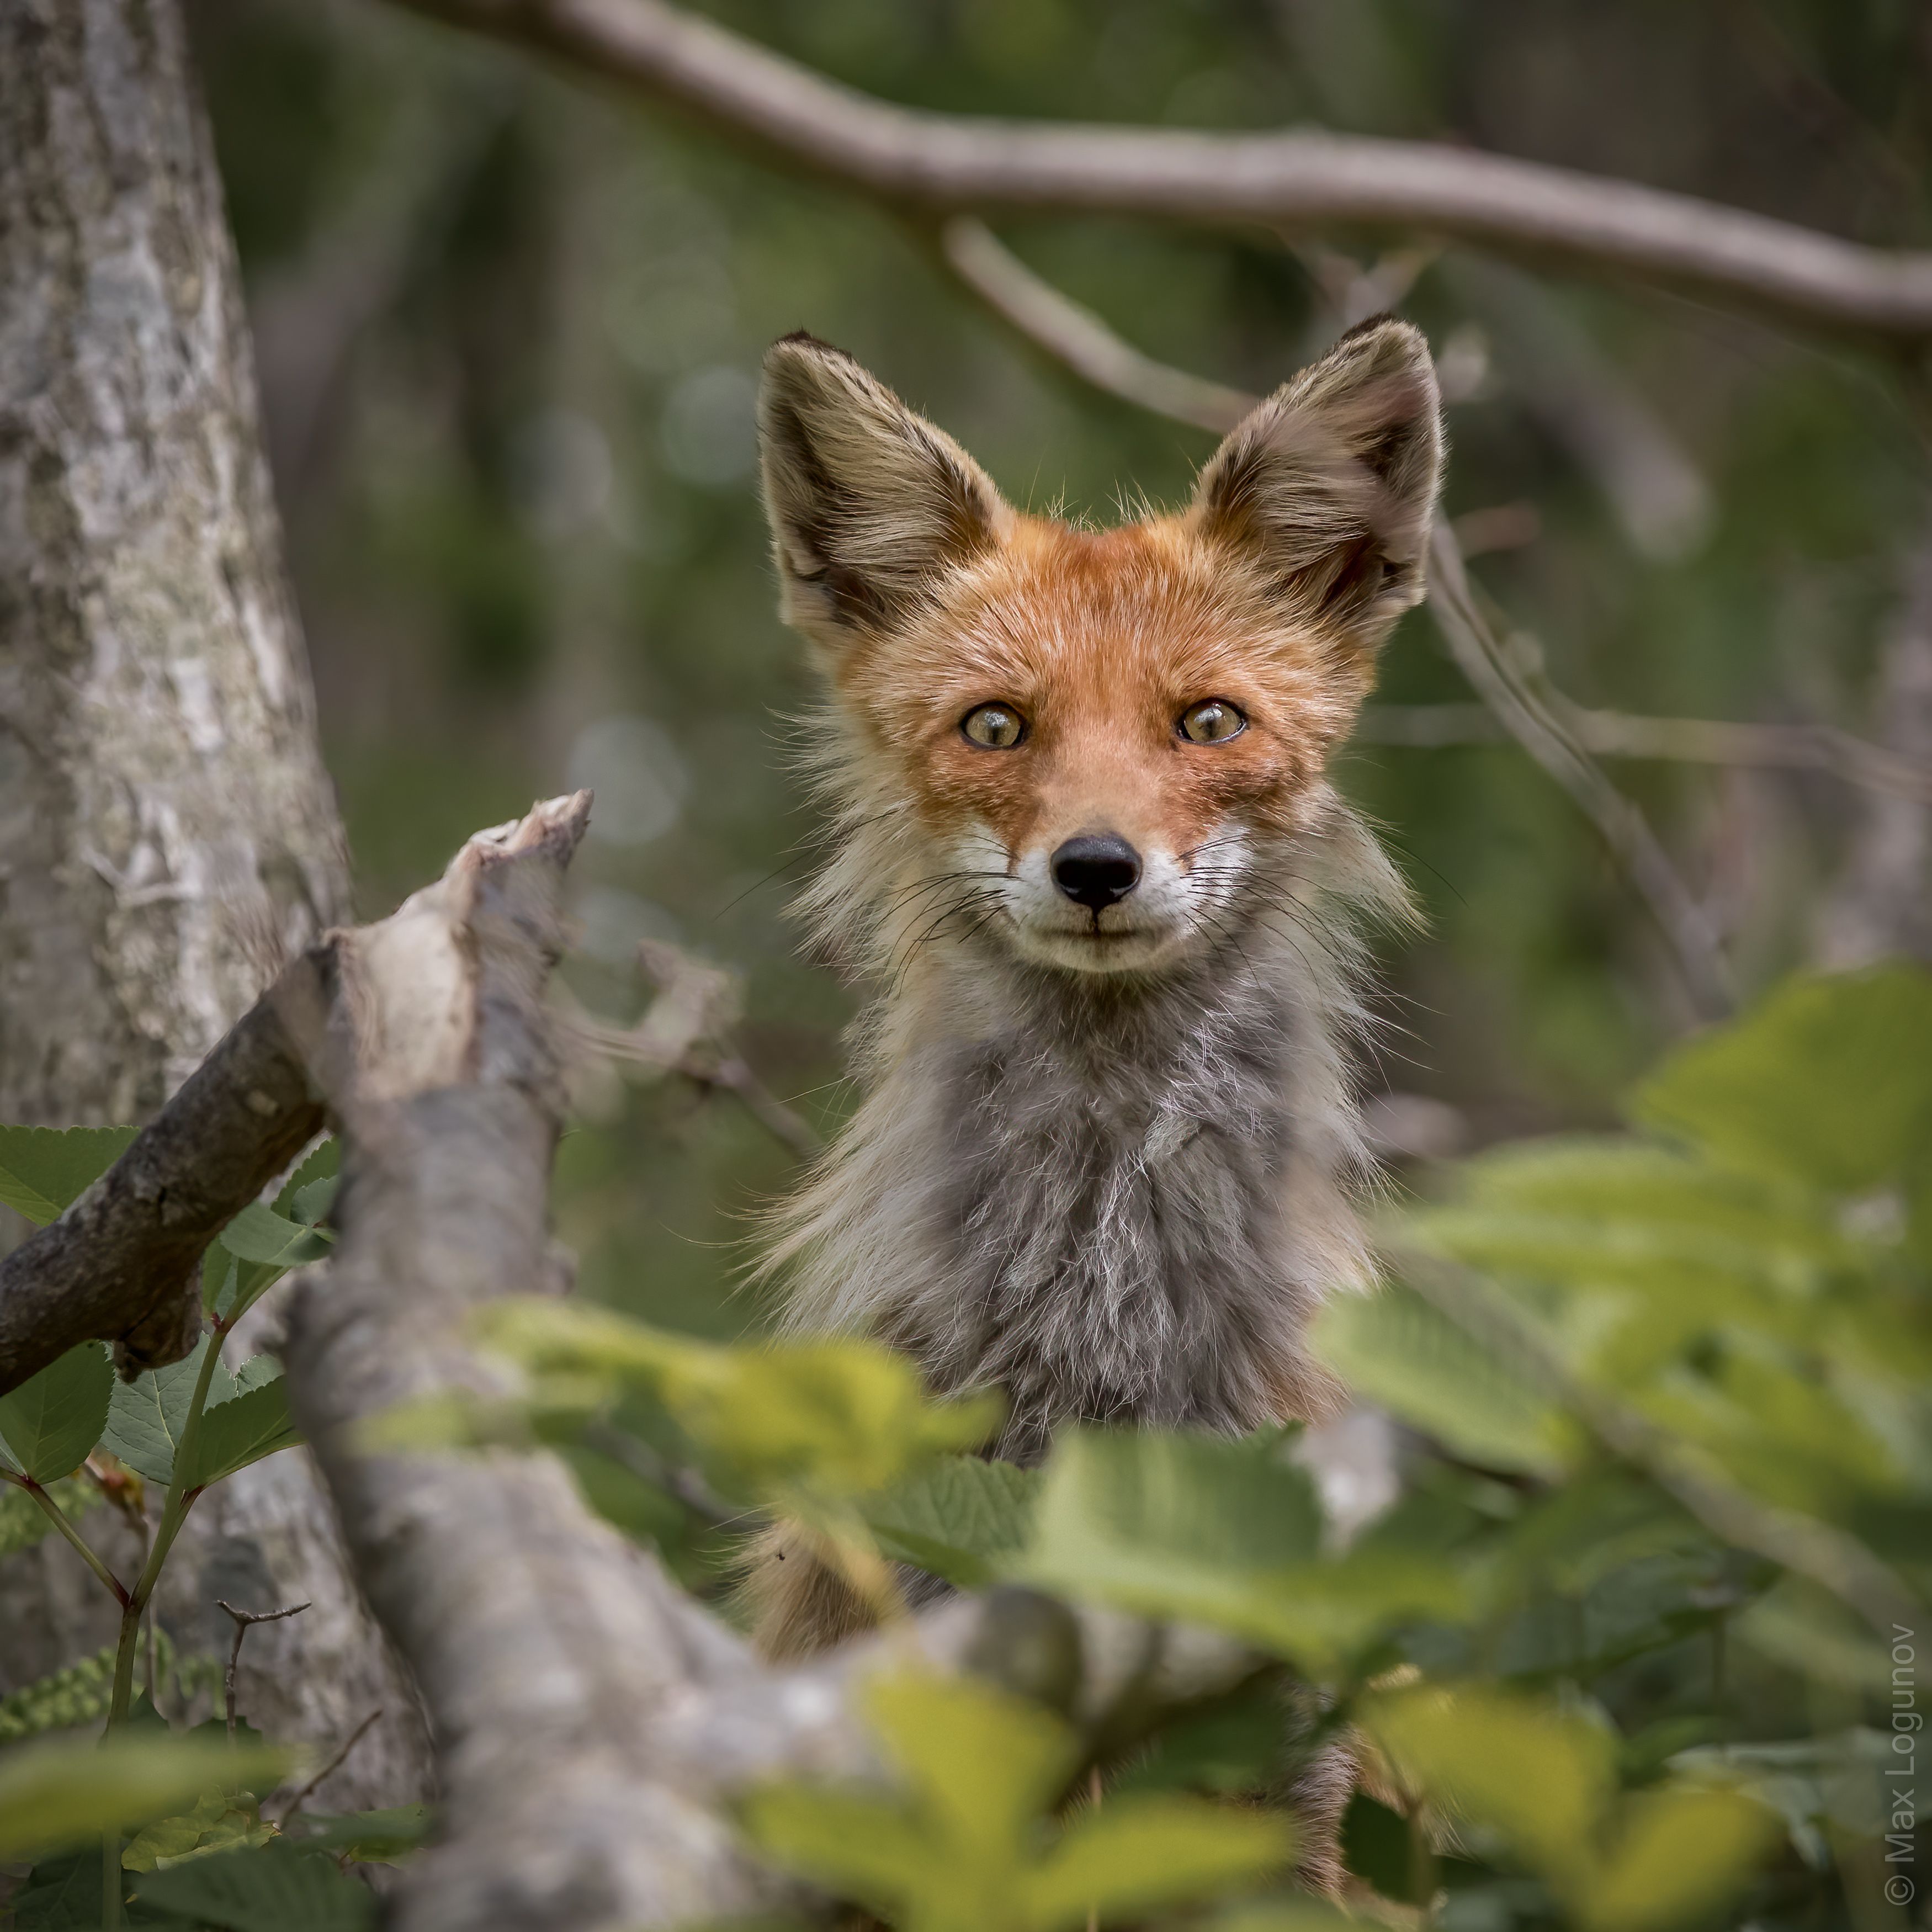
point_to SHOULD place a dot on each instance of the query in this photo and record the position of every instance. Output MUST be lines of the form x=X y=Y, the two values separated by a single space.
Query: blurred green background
x=507 y=330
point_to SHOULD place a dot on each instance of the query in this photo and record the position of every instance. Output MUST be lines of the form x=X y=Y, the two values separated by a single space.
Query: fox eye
x=1211 y=722
x=999 y=727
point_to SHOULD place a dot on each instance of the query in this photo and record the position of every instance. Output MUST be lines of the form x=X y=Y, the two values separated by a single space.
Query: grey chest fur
x=1104 y=1234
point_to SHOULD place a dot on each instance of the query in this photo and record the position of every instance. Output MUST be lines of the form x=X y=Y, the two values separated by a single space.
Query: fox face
x=1091 y=748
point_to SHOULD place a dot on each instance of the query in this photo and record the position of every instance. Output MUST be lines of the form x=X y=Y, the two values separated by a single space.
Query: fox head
x=1096 y=750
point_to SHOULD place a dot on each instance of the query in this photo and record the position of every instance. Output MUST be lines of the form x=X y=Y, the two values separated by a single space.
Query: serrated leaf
x=44 y=1170
x=1393 y=1348
x=1203 y=1530
x=800 y=1422
x=253 y=1423
x=50 y=1424
x=367 y=1837
x=307 y=1194
x=1678 y=1855
x=1541 y=1776
x=270 y=1240
x=216 y=1824
x=1138 y=1853
x=1828 y=1083
x=968 y=1848
x=64 y=1792
x=274 y=1888
x=146 y=1417
x=1236 y=1748
x=957 y=1518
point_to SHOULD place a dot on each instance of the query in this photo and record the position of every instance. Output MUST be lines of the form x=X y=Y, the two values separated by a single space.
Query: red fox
x=1087 y=849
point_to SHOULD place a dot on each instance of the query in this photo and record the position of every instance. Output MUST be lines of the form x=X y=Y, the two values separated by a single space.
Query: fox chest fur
x=1114 y=1209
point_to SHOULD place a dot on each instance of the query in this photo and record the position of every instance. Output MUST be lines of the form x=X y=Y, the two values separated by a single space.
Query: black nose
x=1097 y=869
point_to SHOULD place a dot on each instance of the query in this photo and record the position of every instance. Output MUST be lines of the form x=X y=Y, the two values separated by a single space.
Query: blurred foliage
x=1635 y=1647
x=507 y=330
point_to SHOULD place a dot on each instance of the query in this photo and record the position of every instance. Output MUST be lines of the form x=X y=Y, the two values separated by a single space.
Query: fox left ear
x=870 y=505
x=1330 y=485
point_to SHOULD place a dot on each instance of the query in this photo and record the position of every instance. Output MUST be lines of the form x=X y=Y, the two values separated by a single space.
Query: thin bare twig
x=1696 y=741
x=687 y=1030
x=1530 y=719
x=335 y=1763
x=1077 y=337
x=941 y=164
x=244 y=1622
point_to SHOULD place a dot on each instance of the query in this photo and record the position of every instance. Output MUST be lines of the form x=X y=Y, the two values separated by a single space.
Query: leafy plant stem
x=180 y=1499
x=112 y=1583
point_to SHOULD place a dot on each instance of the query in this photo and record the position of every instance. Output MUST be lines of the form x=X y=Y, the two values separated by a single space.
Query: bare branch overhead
x=940 y=164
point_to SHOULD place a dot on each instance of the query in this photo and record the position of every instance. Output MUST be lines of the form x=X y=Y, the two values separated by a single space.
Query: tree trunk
x=167 y=833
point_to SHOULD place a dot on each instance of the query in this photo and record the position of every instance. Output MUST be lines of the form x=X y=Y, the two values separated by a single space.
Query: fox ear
x=1330 y=484
x=869 y=504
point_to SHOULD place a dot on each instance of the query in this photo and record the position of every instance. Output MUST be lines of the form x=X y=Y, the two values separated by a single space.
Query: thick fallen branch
x=940 y=164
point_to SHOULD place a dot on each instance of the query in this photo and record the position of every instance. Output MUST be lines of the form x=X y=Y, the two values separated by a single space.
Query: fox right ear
x=1329 y=486
x=869 y=504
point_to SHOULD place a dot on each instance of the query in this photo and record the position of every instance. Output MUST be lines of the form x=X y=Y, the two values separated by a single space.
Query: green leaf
x=1301 y=1913
x=274 y=1888
x=1135 y=1854
x=146 y=1417
x=957 y=1518
x=308 y=1193
x=984 y=1762
x=1679 y=1855
x=856 y=1846
x=645 y=1512
x=64 y=1792
x=367 y=1837
x=1828 y=1083
x=1540 y=1776
x=1208 y=1531
x=797 y=1422
x=260 y=1235
x=44 y=1170
x=253 y=1423
x=1797 y=1625
x=50 y=1424
x=1236 y=1748
x=1379 y=1845
x=968 y=1848
x=217 y=1824
x=1395 y=1349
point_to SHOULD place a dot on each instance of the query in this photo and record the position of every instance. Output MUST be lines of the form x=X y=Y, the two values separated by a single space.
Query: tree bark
x=167 y=833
